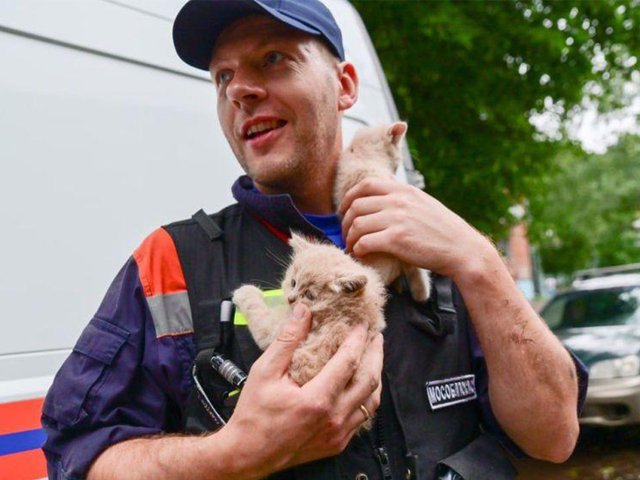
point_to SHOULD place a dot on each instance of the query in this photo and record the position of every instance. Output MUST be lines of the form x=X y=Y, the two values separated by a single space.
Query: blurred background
x=523 y=114
x=523 y=119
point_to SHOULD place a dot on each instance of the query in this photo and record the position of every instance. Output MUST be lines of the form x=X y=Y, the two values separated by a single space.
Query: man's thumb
x=292 y=333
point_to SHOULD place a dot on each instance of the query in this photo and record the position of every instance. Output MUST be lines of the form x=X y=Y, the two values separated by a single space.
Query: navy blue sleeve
x=115 y=384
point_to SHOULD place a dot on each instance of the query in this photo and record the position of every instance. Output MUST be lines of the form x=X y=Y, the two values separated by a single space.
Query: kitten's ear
x=352 y=284
x=298 y=242
x=397 y=131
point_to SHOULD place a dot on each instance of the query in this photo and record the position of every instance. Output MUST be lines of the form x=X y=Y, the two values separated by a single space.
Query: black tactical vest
x=423 y=343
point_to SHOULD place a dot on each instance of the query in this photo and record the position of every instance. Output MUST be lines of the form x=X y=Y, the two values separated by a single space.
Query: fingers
x=362 y=207
x=339 y=370
x=366 y=188
x=371 y=206
x=367 y=382
x=357 y=417
x=374 y=242
x=365 y=388
x=277 y=357
x=363 y=225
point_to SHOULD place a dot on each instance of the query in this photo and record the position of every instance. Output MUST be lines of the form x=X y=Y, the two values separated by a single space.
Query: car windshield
x=594 y=308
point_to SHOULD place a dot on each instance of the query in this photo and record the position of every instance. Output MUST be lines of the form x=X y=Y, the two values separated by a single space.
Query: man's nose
x=245 y=90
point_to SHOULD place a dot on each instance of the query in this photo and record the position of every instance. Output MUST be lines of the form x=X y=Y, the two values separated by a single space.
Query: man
x=283 y=85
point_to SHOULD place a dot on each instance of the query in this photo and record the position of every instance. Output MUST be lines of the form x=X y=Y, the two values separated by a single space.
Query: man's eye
x=273 y=57
x=223 y=76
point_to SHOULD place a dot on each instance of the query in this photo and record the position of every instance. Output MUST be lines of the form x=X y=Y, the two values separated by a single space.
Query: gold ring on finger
x=366 y=413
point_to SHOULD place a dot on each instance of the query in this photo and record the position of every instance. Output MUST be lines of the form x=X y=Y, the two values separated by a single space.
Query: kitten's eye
x=309 y=295
x=293 y=282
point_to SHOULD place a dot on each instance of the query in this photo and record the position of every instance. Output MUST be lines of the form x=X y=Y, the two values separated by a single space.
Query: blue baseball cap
x=200 y=22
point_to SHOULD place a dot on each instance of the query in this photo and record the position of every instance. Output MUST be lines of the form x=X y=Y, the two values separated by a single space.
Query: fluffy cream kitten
x=376 y=152
x=339 y=291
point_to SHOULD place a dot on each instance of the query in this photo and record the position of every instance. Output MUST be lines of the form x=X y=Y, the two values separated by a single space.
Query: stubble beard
x=305 y=165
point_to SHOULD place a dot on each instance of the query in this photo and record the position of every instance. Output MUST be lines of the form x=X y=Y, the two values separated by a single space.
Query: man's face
x=278 y=101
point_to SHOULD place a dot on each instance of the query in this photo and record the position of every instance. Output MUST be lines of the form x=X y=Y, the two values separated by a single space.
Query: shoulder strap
x=446 y=310
x=210 y=227
x=444 y=293
x=200 y=248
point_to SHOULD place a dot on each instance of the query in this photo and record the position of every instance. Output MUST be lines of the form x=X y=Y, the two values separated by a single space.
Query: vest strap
x=444 y=294
x=211 y=228
x=248 y=252
x=200 y=249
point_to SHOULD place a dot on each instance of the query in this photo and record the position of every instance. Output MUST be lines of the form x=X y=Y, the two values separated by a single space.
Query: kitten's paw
x=245 y=296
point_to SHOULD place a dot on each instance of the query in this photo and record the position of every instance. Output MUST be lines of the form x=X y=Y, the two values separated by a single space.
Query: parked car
x=598 y=318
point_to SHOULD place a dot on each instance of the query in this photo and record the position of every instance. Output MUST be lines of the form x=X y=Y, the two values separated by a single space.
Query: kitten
x=339 y=291
x=376 y=152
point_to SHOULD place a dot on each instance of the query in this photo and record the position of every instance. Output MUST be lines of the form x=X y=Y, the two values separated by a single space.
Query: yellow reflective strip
x=239 y=319
x=272 y=297
x=234 y=392
x=273 y=293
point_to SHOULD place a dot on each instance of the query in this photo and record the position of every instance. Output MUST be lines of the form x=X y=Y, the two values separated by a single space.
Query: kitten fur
x=339 y=291
x=376 y=152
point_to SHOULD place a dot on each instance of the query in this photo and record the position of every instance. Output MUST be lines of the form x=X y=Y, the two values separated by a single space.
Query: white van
x=105 y=135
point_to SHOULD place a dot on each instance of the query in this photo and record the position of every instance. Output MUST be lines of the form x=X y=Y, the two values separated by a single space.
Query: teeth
x=262 y=126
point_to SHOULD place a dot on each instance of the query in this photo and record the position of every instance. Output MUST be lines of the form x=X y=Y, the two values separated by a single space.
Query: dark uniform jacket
x=130 y=373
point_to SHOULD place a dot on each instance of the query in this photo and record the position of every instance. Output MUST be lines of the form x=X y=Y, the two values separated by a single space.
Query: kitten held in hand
x=339 y=291
x=376 y=152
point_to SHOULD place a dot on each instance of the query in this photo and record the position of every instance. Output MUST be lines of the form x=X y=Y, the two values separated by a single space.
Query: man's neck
x=316 y=203
x=313 y=197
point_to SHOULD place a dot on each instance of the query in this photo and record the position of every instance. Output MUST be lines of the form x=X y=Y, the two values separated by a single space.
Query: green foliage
x=467 y=75
x=583 y=215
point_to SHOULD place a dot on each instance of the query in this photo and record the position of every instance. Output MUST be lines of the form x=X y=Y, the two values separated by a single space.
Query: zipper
x=379 y=448
x=383 y=460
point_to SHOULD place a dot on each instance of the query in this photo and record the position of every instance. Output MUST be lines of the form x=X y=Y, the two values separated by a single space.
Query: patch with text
x=451 y=391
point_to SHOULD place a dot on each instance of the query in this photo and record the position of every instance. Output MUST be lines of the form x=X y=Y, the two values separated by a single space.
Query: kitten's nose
x=291 y=299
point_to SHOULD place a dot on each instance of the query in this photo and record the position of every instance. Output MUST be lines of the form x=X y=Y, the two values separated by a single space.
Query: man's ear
x=348 y=78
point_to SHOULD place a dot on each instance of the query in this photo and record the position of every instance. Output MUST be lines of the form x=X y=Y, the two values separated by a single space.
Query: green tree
x=583 y=216
x=467 y=75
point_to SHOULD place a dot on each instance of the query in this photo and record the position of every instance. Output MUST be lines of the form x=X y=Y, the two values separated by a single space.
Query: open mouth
x=262 y=128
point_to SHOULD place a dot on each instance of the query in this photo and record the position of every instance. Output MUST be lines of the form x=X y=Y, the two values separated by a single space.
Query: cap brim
x=199 y=23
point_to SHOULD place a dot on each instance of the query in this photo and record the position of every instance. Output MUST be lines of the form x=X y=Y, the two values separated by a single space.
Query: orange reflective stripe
x=24 y=465
x=164 y=285
x=20 y=415
x=158 y=265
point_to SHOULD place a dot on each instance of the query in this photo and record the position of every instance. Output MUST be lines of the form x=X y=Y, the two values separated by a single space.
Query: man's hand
x=387 y=216
x=522 y=355
x=278 y=424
